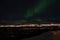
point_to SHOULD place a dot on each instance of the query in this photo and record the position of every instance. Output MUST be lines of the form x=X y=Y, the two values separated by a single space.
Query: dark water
x=19 y=34
x=43 y=36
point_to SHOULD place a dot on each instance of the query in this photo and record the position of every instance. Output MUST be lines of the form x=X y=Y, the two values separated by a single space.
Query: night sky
x=16 y=9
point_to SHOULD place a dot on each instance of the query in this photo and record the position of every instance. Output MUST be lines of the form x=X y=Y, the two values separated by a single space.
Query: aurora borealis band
x=38 y=8
x=29 y=11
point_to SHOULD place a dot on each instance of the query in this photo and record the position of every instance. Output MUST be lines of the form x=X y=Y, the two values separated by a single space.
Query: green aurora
x=38 y=8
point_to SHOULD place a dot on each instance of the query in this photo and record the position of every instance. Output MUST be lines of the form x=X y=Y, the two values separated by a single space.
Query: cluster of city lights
x=29 y=25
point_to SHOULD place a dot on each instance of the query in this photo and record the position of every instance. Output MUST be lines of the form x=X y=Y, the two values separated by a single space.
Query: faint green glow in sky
x=23 y=21
x=35 y=20
x=40 y=7
x=38 y=20
x=29 y=13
